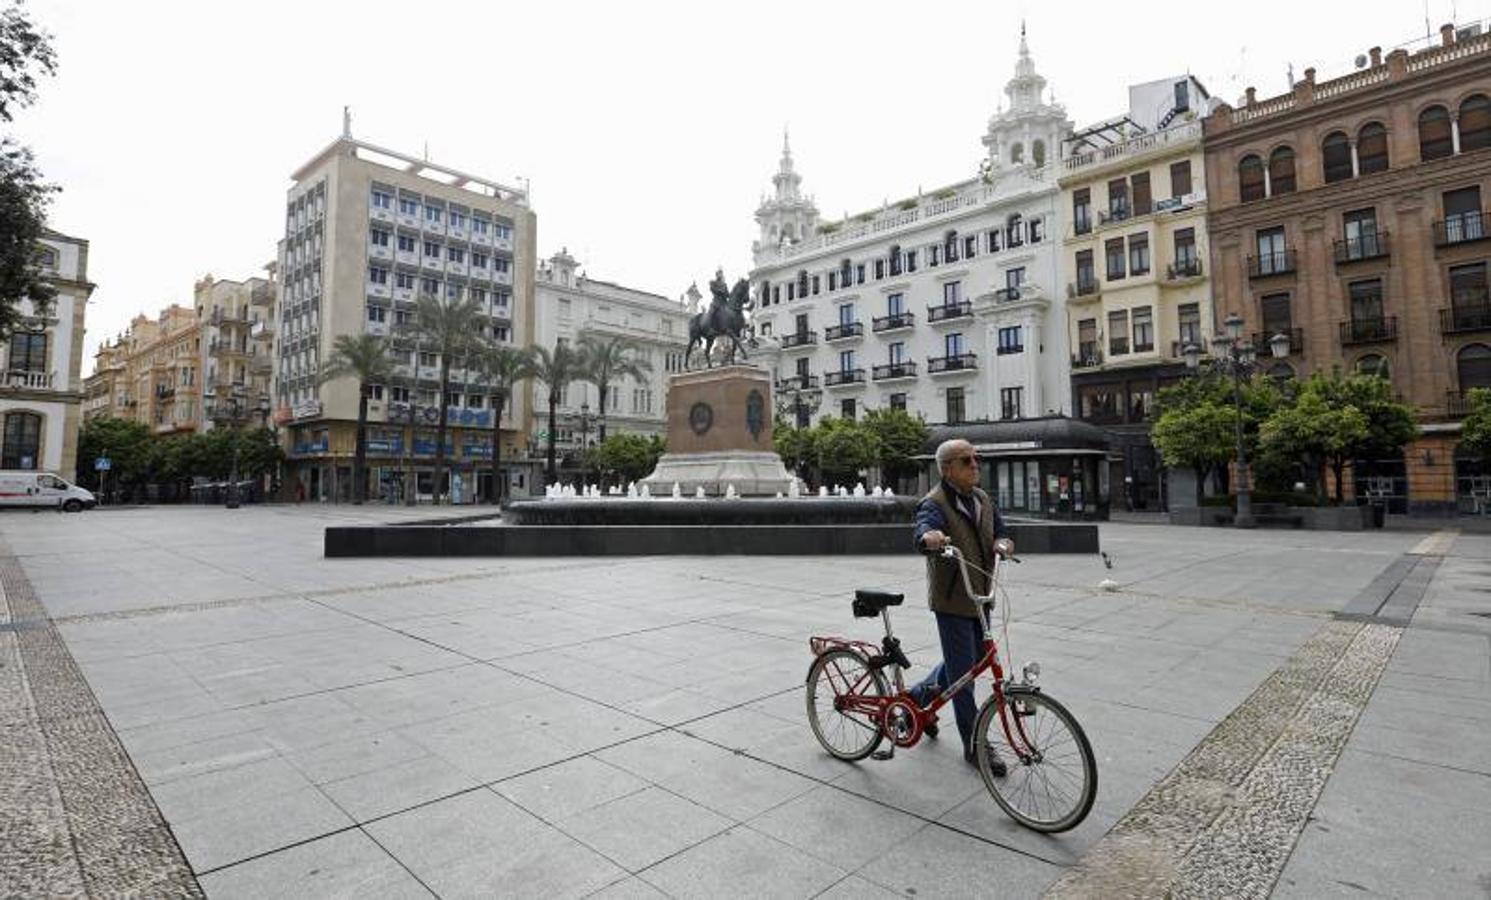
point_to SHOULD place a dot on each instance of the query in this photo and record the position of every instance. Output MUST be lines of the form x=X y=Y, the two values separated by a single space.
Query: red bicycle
x=1052 y=776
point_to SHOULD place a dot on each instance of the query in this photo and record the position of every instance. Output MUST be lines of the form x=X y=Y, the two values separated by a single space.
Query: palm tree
x=448 y=327
x=555 y=371
x=608 y=359
x=366 y=357
x=500 y=367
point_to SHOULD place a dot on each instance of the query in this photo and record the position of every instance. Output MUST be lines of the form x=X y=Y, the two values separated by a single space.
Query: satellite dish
x=1361 y=60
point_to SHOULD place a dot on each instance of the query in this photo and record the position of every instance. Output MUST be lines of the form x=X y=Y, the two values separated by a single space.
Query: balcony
x=1462 y=228
x=843 y=377
x=1183 y=270
x=844 y=331
x=1369 y=331
x=262 y=295
x=1372 y=245
x=1271 y=264
x=229 y=317
x=1007 y=349
x=959 y=362
x=798 y=339
x=1083 y=288
x=802 y=382
x=1457 y=404
x=25 y=378
x=1462 y=319
x=892 y=371
x=894 y=322
x=1007 y=295
x=1088 y=356
x=1296 y=341
x=947 y=312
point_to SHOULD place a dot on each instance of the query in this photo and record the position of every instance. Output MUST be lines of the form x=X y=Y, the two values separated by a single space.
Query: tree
x=366 y=358
x=554 y=370
x=1316 y=428
x=1475 y=432
x=630 y=456
x=900 y=436
x=608 y=359
x=449 y=328
x=499 y=367
x=1197 y=436
x=25 y=53
x=128 y=444
x=797 y=447
x=844 y=448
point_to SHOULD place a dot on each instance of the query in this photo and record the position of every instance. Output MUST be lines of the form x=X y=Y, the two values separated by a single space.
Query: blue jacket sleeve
x=928 y=518
x=1000 y=529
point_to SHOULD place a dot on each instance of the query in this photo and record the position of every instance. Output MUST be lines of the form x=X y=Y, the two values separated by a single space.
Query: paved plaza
x=194 y=700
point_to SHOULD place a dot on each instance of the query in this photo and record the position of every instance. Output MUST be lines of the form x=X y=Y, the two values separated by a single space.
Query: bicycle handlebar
x=951 y=552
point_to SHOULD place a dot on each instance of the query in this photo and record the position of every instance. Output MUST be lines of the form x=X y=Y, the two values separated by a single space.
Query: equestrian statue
x=725 y=318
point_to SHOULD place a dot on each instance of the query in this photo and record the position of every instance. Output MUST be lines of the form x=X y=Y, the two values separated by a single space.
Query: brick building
x=1348 y=215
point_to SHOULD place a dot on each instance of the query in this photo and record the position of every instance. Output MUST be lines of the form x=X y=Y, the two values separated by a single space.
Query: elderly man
x=957 y=512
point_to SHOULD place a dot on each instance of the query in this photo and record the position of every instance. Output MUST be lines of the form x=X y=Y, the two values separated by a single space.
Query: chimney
x=1447 y=34
x=1252 y=95
x=1376 y=54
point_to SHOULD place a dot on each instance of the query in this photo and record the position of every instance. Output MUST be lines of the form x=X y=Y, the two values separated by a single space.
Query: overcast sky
x=648 y=131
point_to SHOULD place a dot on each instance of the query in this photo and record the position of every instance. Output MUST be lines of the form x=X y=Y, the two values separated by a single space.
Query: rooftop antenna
x=347 y=122
x=427 y=151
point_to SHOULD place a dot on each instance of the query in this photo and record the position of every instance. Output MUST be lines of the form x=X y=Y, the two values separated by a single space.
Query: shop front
x=1048 y=468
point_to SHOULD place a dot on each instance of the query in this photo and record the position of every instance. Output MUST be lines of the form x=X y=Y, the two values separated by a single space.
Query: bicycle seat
x=868 y=604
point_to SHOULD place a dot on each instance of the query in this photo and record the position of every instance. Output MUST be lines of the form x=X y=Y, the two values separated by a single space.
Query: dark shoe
x=931 y=730
x=997 y=768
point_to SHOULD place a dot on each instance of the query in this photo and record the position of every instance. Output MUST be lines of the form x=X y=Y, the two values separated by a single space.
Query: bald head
x=947 y=451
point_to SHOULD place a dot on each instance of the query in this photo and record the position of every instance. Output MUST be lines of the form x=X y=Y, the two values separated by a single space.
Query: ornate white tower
x=788 y=217
x=1030 y=132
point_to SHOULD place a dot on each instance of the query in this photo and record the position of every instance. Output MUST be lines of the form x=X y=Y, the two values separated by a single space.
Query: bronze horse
x=724 y=318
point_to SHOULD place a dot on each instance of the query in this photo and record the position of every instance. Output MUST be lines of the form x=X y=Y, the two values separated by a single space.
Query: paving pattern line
x=1224 y=822
x=75 y=817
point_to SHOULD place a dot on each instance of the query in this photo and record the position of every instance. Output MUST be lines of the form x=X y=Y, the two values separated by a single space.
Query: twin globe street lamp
x=1231 y=355
x=233 y=410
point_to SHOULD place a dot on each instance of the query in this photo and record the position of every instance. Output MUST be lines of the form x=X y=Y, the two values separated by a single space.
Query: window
x=1335 y=152
x=1143 y=321
x=1081 y=211
x=1118 y=332
x=1180 y=178
x=952 y=293
x=1189 y=317
x=1014 y=277
x=911 y=260
x=1468 y=286
x=994 y=242
x=1143 y=202
x=898 y=401
x=406 y=243
x=953 y=344
x=1360 y=228
x=879 y=269
x=408 y=207
x=896 y=353
x=398 y=395
x=1272 y=255
x=1087 y=278
x=846 y=409
x=1276 y=315
x=833 y=281
x=1017 y=153
x=1373 y=364
x=428 y=360
x=802 y=323
x=1475 y=123
x=1009 y=340
x=1281 y=172
x=1114 y=252
x=956 y=410
x=1037 y=230
x=1118 y=199
x=502 y=232
x=377 y=313
x=950 y=246
x=22 y=441
x=846 y=314
x=815 y=285
x=846 y=360
x=1472 y=366
x=970 y=246
x=28 y=352
x=378 y=237
x=1371 y=149
x=454 y=291
x=1366 y=304
x=934 y=256
x=431 y=286
x=480 y=226
x=1009 y=402
x=402 y=317
x=1250 y=178
x=457 y=220
x=1436 y=140
x=1185 y=252
x=895 y=304
x=859 y=272
x=377 y=275
x=432 y=249
x=455 y=254
x=1013 y=232
x=433 y=215
x=1462 y=215
x=404 y=280
x=1138 y=254
x=382 y=200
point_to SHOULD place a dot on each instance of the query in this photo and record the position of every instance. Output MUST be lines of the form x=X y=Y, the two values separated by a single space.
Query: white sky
x=648 y=130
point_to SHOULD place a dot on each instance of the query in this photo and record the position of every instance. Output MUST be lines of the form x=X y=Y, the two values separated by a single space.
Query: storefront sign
x=1012 y=445
x=387 y=448
x=307 y=409
x=306 y=447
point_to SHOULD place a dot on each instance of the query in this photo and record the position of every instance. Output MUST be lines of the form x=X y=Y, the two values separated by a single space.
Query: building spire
x=347 y=122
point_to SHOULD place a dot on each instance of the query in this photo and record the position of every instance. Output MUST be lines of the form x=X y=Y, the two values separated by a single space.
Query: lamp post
x=233 y=410
x=1231 y=355
x=584 y=438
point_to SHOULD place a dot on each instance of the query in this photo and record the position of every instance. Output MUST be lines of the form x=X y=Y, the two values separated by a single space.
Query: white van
x=19 y=488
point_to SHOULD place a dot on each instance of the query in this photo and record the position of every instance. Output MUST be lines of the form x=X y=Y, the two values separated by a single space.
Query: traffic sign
x=102 y=464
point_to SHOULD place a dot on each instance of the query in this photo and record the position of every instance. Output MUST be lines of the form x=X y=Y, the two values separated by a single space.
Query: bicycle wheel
x=1053 y=776
x=849 y=734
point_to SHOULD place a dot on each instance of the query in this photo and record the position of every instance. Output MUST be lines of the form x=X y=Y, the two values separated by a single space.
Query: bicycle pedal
x=883 y=755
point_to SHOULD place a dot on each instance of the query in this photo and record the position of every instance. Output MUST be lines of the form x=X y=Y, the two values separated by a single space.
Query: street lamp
x=233 y=410
x=584 y=437
x=1231 y=355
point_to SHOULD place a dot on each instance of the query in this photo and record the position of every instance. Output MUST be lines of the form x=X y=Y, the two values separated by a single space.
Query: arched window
x=20 y=444
x=1335 y=152
x=1281 y=171
x=950 y=246
x=1250 y=178
x=1014 y=235
x=1371 y=148
x=1373 y=364
x=1473 y=367
x=1475 y=123
x=1435 y=141
x=1017 y=153
x=1038 y=152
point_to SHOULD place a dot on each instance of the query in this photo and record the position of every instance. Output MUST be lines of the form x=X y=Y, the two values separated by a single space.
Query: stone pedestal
x=719 y=434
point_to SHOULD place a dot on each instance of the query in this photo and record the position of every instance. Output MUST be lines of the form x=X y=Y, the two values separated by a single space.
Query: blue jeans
x=962 y=647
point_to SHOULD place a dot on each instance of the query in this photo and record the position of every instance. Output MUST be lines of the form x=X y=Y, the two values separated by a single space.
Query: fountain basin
x=745 y=511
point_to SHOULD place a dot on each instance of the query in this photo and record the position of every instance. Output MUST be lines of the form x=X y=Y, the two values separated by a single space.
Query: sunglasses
x=966 y=460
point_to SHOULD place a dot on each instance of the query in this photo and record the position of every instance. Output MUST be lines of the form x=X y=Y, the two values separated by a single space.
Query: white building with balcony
x=948 y=304
x=568 y=305
x=41 y=393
